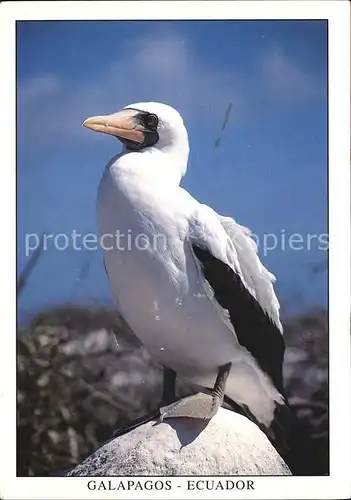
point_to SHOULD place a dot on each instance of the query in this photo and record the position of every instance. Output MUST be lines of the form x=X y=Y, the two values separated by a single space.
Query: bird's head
x=145 y=125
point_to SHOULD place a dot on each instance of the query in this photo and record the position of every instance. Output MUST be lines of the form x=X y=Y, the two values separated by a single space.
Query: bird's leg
x=168 y=386
x=203 y=405
x=168 y=397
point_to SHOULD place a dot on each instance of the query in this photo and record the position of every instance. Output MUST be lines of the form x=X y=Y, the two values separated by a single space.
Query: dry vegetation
x=76 y=385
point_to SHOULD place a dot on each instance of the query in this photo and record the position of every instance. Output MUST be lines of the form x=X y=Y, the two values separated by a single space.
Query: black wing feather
x=253 y=327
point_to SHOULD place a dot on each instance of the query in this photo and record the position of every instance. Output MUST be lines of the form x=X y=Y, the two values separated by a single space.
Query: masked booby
x=195 y=292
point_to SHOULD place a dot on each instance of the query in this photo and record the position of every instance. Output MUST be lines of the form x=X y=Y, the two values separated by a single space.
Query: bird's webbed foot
x=202 y=405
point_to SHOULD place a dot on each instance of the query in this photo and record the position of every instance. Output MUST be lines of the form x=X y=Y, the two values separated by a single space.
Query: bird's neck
x=171 y=151
x=156 y=164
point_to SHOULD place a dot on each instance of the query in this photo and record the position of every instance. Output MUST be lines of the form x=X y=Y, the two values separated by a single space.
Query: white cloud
x=167 y=57
x=286 y=81
x=158 y=68
x=39 y=86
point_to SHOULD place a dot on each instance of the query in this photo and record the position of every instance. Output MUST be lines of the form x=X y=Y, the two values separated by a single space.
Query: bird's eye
x=151 y=120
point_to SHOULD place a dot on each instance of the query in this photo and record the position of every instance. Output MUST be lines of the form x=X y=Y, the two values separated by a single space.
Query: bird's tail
x=292 y=438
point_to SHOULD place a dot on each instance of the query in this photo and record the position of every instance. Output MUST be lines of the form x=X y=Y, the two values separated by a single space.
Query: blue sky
x=269 y=172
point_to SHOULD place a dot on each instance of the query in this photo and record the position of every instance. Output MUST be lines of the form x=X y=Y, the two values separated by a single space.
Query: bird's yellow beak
x=123 y=124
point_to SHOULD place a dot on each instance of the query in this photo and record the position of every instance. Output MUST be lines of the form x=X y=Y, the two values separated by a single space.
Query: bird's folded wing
x=232 y=243
x=235 y=279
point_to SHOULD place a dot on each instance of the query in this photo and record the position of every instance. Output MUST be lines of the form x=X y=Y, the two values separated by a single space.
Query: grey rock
x=229 y=444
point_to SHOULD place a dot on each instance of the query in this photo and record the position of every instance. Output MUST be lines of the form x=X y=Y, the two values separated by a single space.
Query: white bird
x=187 y=280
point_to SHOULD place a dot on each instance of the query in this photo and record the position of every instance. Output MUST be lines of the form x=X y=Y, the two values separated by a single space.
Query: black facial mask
x=150 y=122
